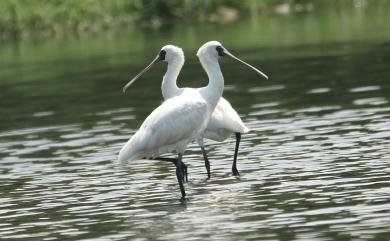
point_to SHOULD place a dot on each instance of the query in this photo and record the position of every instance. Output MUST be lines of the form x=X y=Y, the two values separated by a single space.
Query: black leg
x=167 y=159
x=206 y=162
x=181 y=170
x=234 y=166
x=184 y=168
x=179 y=176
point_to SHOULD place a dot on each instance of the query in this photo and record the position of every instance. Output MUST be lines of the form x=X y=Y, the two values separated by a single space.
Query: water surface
x=315 y=165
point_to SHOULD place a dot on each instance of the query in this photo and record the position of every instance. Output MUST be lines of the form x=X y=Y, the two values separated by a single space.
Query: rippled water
x=314 y=167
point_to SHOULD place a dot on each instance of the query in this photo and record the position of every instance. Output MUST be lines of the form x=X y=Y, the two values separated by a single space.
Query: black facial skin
x=220 y=51
x=161 y=55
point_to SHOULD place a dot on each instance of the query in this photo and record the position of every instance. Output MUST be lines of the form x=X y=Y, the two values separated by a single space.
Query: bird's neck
x=213 y=91
x=169 y=87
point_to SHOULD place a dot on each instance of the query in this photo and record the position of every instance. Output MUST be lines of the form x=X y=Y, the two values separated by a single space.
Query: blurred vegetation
x=20 y=18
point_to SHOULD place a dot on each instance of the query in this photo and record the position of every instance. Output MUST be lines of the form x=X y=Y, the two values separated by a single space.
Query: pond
x=315 y=165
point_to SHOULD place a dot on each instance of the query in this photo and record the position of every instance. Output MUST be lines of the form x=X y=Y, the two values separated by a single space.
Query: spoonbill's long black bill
x=155 y=60
x=227 y=53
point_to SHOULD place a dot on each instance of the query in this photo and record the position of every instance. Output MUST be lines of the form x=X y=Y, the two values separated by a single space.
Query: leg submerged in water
x=206 y=159
x=181 y=171
x=234 y=166
x=180 y=176
x=183 y=168
x=206 y=162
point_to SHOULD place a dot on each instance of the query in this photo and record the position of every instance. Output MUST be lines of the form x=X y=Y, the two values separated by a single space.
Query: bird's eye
x=220 y=51
x=162 y=54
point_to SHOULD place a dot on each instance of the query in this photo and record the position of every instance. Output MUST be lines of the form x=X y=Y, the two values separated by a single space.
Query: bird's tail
x=245 y=130
x=128 y=153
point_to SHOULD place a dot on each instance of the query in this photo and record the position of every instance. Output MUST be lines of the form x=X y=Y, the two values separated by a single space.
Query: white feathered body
x=224 y=120
x=171 y=126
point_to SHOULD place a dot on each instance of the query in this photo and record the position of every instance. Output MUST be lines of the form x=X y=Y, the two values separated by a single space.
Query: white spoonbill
x=178 y=120
x=224 y=120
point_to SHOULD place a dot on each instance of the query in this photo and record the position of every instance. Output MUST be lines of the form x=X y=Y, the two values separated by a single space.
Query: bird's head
x=169 y=53
x=212 y=50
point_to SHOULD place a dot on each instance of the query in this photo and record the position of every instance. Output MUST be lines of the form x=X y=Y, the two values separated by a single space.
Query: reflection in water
x=314 y=167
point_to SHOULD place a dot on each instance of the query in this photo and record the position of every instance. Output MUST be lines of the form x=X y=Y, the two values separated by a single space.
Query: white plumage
x=224 y=120
x=178 y=120
x=184 y=116
x=171 y=126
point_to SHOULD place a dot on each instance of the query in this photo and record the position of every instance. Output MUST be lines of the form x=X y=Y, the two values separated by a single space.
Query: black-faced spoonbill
x=178 y=120
x=224 y=120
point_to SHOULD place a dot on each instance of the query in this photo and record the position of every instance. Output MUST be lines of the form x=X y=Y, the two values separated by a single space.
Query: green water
x=314 y=167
